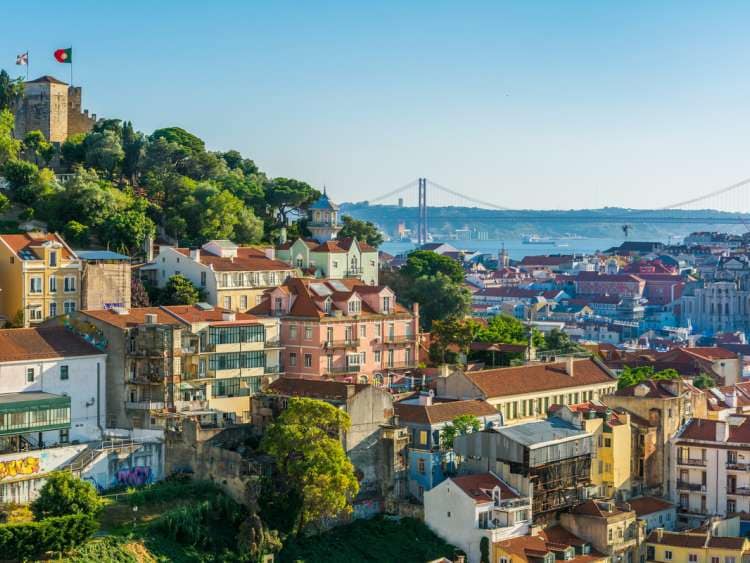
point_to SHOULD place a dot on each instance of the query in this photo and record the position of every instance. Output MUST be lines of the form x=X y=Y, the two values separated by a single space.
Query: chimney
x=722 y=431
x=426 y=398
x=195 y=254
x=731 y=398
x=569 y=365
x=148 y=249
x=444 y=370
x=270 y=252
x=659 y=534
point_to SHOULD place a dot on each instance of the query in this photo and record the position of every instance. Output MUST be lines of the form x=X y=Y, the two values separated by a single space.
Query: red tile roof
x=25 y=241
x=19 y=344
x=644 y=506
x=555 y=260
x=539 y=377
x=444 y=411
x=131 y=318
x=193 y=314
x=248 y=260
x=479 y=487
x=705 y=430
x=677 y=539
x=597 y=508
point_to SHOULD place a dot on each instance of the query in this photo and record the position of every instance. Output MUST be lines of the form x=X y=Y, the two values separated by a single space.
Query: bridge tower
x=422 y=227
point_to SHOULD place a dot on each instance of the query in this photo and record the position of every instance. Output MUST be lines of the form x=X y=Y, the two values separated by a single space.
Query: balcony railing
x=331 y=344
x=345 y=369
x=400 y=339
x=686 y=486
x=689 y=461
x=734 y=466
x=273 y=343
x=742 y=491
x=144 y=405
x=401 y=365
x=273 y=369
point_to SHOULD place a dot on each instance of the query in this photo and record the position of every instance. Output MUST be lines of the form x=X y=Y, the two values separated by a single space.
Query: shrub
x=31 y=540
x=65 y=494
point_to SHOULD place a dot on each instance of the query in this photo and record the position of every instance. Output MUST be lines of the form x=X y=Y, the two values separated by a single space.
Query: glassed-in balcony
x=33 y=412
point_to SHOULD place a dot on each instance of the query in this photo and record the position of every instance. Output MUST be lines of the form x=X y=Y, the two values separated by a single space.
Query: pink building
x=342 y=329
x=622 y=285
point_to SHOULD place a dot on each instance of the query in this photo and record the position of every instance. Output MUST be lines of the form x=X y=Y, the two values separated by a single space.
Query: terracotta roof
x=329 y=246
x=18 y=344
x=555 y=538
x=314 y=388
x=705 y=430
x=726 y=542
x=504 y=291
x=618 y=278
x=597 y=508
x=247 y=260
x=538 y=377
x=48 y=79
x=346 y=244
x=677 y=539
x=555 y=260
x=443 y=412
x=133 y=317
x=26 y=242
x=479 y=487
x=711 y=352
x=644 y=506
x=653 y=390
x=193 y=314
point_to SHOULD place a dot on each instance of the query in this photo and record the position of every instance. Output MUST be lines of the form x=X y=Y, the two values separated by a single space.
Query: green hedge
x=31 y=540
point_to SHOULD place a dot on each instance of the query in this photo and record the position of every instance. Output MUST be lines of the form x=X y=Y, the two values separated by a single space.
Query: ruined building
x=53 y=107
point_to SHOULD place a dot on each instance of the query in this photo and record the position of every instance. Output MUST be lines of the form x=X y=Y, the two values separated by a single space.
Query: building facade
x=40 y=277
x=105 y=279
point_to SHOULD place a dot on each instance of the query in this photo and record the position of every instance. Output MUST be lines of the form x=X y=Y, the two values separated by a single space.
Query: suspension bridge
x=728 y=205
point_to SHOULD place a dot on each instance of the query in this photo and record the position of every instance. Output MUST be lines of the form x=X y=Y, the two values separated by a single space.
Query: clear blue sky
x=552 y=104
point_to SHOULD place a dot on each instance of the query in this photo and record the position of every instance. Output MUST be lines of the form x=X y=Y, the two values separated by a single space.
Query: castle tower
x=44 y=107
x=51 y=106
x=323 y=219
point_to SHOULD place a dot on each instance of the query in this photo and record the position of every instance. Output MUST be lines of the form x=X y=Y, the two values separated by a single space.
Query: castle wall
x=79 y=120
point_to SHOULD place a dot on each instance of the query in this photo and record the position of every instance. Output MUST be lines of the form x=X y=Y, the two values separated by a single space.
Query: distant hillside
x=606 y=222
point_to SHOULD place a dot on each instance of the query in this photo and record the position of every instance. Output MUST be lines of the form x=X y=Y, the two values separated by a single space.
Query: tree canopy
x=631 y=376
x=64 y=494
x=11 y=90
x=461 y=425
x=305 y=441
x=363 y=231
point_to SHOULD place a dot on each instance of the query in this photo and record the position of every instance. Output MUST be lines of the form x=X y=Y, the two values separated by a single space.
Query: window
x=64 y=372
x=69 y=284
x=693 y=557
x=224 y=280
x=423 y=437
x=53 y=258
x=729 y=559
x=308 y=332
x=609 y=534
x=30 y=375
x=53 y=310
x=355 y=306
x=607 y=442
x=292 y=359
x=308 y=360
x=69 y=307
x=236 y=334
x=292 y=331
x=363 y=330
x=377 y=356
x=35 y=313
x=53 y=284
x=377 y=330
x=667 y=555
x=203 y=278
x=35 y=285
x=237 y=360
x=421 y=466
x=715 y=559
x=64 y=435
x=731 y=506
x=228 y=302
x=243 y=302
x=386 y=305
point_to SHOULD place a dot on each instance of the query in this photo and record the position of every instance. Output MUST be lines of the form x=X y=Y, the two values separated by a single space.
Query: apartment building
x=612 y=434
x=194 y=361
x=40 y=277
x=718 y=542
x=710 y=468
x=52 y=401
x=342 y=329
x=232 y=277
x=525 y=393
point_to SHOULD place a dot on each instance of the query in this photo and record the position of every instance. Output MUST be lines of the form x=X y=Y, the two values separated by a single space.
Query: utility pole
x=422 y=227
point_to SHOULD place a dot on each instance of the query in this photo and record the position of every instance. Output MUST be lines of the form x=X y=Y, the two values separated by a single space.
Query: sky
x=528 y=104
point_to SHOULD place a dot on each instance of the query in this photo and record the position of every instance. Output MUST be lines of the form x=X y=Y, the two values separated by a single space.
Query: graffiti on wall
x=134 y=476
x=19 y=467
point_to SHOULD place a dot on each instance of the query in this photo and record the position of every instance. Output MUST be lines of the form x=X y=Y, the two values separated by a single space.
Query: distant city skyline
x=525 y=104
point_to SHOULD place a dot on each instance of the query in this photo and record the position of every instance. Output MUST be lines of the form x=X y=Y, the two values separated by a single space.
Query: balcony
x=342 y=370
x=686 y=486
x=144 y=405
x=400 y=339
x=693 y=462
x=334 y=344
x=273 y=344
x=401 y=365
x=741 y=491
x=273 y=369
x=734 y=466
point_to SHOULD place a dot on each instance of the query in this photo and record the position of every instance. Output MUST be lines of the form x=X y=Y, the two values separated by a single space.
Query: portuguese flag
x=64 y=55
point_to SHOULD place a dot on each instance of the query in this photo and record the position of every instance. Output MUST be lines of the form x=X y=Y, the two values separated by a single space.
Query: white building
x=462 y=510
x=710 y=468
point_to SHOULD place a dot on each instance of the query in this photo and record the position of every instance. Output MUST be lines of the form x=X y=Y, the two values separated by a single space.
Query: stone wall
x=105 y=285
x=79 y=120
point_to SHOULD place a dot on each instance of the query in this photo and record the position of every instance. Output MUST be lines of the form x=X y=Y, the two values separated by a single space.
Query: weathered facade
x=105 y=280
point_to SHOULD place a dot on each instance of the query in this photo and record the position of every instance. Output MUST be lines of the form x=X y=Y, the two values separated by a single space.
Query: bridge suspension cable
x=393 y=192
x=468 y=198
x=708 y=195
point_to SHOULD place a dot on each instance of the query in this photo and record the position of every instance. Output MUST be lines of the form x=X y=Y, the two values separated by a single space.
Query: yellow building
x=612 y=438
x=40 y=278
x=720 y=543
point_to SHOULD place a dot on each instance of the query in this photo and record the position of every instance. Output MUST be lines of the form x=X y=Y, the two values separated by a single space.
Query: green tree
x=704 y=381
x=631 y=376
x=4 y=203
x=461 y=425
x=560 y=341
x=11 y=91
x=235 y=161
x=422 y=263
x=133 y=146
x=305 y=441
x=73 y=150
x=285 y=196
x=10 y=147
x=456 y=331
x=180 y=291
x=484 y=550
x=223 y=216
x=76 y=233
x=64 y=494
x=126 y=230
x=36 y=146
x=19 y=174
x=104 y=152
x=181 y=137
x=439 y=298
x=363 y=231
x=504 y=329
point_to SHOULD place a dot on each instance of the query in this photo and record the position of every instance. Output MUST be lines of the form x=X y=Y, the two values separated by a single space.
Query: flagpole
x=27 y=65
x=71 y=65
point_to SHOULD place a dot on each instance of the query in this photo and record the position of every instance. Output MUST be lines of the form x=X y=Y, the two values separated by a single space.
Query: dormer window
x=53 y=258
x=355 y=306
x=386 y=305
x=327 y=306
